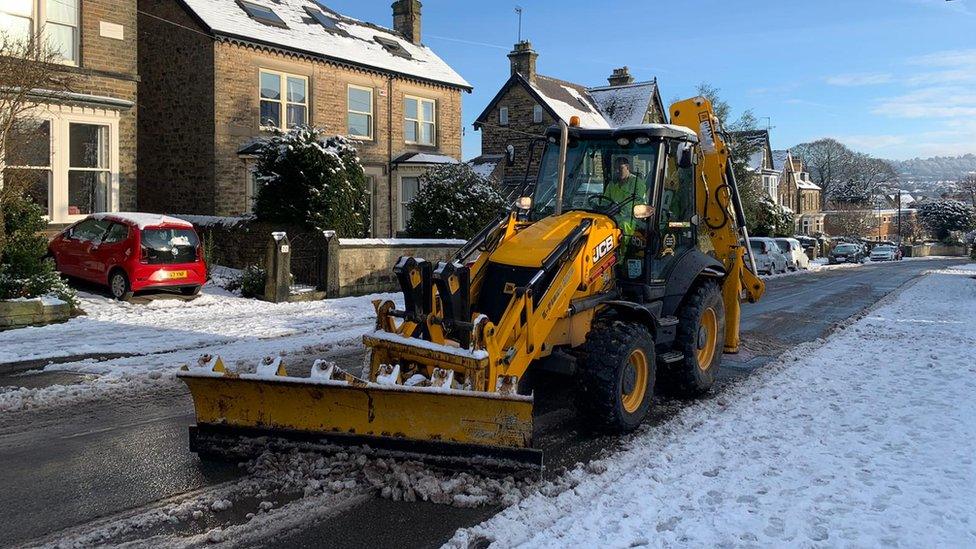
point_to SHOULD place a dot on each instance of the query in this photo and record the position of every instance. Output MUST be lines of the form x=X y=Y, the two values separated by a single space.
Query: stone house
x=82 y=156
x=760 y=161
x=798 y=193
x=219 y=74
x=528 y=103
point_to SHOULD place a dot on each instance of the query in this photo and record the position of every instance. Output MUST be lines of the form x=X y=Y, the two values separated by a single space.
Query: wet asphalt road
x=66 y=467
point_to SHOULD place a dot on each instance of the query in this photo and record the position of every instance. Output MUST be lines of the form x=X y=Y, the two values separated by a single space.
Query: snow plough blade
x=334 y=408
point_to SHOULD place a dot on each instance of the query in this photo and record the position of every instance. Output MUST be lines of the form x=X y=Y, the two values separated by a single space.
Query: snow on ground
x=820 y=264
x=865 y=439
x=165 y=334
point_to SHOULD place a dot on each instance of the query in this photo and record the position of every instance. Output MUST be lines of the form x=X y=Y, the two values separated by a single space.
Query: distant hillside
x=937 y=168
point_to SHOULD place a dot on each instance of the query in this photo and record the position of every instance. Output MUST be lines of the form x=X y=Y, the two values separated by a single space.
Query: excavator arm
x=722 y=221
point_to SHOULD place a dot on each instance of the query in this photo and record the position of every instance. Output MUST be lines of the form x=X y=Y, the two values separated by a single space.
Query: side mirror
x=524 y=203
x=685 y=158
x=643 y=211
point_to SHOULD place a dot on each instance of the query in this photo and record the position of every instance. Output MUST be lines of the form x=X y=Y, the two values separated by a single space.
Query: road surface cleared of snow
x=168 y=333
x=865 y=439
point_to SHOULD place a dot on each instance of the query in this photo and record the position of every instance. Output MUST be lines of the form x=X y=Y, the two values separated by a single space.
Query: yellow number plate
x=176 y=274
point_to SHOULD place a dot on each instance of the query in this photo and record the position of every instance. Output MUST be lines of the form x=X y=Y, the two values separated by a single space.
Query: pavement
x=68 y=467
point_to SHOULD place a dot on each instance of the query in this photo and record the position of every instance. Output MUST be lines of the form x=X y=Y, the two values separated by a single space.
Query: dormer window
x=261 y=14
x=393 y=47
x=326 y=21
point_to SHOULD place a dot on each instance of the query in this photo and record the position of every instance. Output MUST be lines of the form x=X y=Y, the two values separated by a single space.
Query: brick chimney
x=406 y=19
x=620 y=77
x=523 y=60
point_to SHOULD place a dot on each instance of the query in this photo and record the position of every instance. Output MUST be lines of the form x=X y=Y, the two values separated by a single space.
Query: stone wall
x=32 y=312
x=365 y=266
x=352 y=266
x=176 y=113
x=927 y=250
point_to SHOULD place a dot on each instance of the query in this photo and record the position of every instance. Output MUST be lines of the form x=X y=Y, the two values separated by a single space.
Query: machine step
x=671 y=357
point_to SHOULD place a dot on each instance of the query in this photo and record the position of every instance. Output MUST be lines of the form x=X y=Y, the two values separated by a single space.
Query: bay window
x=284 y=100
x=419 y=121
x=66 y=162
x=88 y=169
x=55 y=22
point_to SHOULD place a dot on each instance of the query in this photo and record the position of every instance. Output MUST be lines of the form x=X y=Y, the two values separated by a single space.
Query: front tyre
x=616 y=375
x=701 y=336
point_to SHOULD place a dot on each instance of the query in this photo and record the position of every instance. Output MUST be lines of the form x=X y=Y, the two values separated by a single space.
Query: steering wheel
x=596 y=199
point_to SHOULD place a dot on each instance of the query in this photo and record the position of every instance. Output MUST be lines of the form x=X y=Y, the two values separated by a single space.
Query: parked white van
x=769 y=260
x=796 y=258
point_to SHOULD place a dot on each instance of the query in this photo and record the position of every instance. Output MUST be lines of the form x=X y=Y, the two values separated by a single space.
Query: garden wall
x=338 y=266
x=926 y=250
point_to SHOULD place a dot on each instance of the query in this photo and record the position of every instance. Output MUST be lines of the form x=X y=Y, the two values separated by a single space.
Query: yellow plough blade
x=425 y=421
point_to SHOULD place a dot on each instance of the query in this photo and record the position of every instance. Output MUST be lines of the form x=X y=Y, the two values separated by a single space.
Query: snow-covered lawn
x=167 y=333
x=865 y=439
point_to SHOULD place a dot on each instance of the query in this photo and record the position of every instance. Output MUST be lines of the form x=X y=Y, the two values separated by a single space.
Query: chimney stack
x=406 y=19
x=523 y=60
x=620 y=77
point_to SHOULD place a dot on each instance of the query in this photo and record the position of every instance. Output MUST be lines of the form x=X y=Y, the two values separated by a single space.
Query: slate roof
x=597 y=108
x=350 y=41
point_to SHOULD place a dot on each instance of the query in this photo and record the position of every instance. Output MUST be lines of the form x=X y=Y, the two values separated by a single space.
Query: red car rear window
x=161 y=246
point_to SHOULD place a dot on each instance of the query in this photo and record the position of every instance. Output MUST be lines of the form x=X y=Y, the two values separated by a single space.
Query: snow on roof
x=624 y=105
x=779 y=159
x=567 y=100
x=485 y=164
x=350 y=40
x=808 y=185
x=424 y=158
x=142 y=220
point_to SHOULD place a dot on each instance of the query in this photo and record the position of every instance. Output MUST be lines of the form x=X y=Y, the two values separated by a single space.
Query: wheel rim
x=634 y=386
x=707 y=337
x=118 y=285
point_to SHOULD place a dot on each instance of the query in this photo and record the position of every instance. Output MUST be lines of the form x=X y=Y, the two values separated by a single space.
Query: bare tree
x=968 y=184
x=911 y=229
x=829 y=162
x=29 y=74
x=845 y=219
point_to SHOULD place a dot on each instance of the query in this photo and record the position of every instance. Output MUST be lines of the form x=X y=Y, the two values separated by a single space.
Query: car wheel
x=118 y=284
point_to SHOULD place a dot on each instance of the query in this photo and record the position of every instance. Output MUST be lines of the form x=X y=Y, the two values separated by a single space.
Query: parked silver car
x=769 y=258
x=796 y=257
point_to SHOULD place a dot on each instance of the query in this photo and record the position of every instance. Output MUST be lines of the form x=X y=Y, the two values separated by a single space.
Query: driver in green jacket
x=626 y=189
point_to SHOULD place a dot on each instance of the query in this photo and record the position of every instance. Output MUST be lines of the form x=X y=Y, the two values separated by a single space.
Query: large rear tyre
x=616 y=375
x=701 y=337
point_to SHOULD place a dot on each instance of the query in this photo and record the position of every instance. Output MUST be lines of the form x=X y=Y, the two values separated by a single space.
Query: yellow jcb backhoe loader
x=624 y=269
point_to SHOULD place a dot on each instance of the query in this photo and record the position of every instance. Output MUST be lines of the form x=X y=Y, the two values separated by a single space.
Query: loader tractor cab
x=642 y=178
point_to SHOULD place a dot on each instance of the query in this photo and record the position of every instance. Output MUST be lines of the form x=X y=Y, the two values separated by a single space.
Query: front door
x=675 y=233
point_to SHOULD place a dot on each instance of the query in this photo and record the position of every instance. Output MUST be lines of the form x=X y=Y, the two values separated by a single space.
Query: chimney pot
x=523 y=59
x=406 y=19
x=621 y=77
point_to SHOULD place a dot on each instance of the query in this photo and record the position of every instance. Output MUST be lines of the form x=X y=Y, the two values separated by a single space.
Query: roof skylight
x=262 y=14
x=321 y=18
x=393 y=47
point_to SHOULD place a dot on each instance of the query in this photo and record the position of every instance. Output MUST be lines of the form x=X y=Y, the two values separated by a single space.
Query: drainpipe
x=389 y=152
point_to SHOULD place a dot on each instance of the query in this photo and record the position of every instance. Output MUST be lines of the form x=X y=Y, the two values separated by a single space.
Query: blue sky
x=893 y=78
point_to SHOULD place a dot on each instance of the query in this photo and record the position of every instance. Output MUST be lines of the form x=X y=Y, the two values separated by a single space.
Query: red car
x=130 y=252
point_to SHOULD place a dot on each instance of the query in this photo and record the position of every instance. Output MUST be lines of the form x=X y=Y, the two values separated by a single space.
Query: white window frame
x=503 y=116
x=39 y=27
x=369 y=114
x=419 y=121
x=283 y=101
x=61 y=117
x=537 y=114
x=401 y=204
